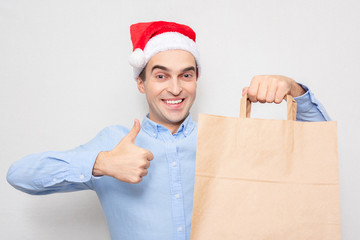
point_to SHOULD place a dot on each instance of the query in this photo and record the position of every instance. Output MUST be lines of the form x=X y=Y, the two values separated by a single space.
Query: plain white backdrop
x=64 y=76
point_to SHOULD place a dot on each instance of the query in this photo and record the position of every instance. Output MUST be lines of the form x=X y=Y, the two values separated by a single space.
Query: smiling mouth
x=173 y=102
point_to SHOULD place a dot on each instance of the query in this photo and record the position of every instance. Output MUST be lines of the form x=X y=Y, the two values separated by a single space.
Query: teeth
x=173 y=102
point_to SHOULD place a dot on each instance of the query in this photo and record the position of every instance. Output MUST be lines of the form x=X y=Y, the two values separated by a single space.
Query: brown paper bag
x=266 y=179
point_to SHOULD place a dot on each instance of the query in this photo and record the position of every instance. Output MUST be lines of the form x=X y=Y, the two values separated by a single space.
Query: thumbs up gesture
x=126 y=162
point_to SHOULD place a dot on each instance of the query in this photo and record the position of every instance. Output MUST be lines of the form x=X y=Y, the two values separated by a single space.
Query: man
x=142 y=201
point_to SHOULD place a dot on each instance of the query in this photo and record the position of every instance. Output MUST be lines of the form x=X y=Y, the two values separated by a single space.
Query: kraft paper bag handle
x=245 y=107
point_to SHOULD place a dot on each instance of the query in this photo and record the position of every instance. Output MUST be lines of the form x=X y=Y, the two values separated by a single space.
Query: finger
x=147 y=165
x=253 y=89
x=136 y=179
x=149 y=156
x=245 y=90
x=131 y=136
x=280 y=94
x=270 y=96
x=143 y=173
x=262 y=91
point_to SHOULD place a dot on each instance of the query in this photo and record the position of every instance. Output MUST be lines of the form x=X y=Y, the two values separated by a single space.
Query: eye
x=187 y=75
x=160 y=76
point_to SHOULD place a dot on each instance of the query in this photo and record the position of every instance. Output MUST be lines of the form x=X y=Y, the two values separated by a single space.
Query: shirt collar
x=152 y=128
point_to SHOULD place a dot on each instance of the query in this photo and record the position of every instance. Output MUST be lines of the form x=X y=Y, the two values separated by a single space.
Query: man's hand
x=272 y=88
x=126 y=162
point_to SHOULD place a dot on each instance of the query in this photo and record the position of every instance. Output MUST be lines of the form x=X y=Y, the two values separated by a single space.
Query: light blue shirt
x=157 y=208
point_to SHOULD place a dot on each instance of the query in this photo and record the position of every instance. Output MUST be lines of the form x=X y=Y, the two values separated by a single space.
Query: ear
x=140 y=85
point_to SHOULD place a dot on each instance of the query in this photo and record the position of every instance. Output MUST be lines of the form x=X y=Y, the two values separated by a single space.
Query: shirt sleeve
x=309 y=109
x=56 y=171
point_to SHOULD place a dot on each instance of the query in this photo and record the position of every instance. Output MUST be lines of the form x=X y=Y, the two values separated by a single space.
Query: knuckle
x=281 y=84
x=278 y=100
x=267 y=78
x=271 y=79
x=143 y=163
x=136 y=179
x=261 y=99
x=144 y=154
x=252 y=92
x=254 y=81
x=269 y=99
x=146 y=164
x=254 y=78
x=139 y=171
x=148 y=155
x=257 y=77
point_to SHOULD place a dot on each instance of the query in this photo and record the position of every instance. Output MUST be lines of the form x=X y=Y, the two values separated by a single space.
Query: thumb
x=130 y=137
x=245 y=90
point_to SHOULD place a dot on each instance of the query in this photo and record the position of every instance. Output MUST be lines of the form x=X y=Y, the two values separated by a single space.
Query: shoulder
x=114 y=131
x=107 y=138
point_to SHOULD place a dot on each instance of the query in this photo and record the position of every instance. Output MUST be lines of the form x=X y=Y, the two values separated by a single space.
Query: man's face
x=170 y=86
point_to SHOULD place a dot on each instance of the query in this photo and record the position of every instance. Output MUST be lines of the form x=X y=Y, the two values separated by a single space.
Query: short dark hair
x=142 y=75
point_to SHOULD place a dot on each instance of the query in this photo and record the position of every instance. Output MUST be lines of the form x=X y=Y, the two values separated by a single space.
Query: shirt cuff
x=78 y=170
x=82 y=166
x=307 y=104
x=304 y=103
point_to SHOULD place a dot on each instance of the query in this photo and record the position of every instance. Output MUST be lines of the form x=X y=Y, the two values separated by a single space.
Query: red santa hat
x=150 y=38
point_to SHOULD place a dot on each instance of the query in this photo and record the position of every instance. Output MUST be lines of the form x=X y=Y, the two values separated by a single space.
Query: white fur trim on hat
x=163 y=42
x=137 y=58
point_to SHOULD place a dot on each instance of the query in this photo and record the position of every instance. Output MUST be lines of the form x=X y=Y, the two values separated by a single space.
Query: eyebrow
x=160 y=67
x=189 y=69
x=166 y=69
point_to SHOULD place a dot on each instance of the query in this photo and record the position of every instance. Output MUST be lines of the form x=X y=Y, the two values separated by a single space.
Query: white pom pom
x=137 y=58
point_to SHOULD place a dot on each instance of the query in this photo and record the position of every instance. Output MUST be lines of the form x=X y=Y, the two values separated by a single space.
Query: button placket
x=176 y=190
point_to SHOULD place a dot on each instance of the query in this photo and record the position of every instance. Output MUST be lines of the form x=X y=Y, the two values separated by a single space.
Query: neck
x=172 y=127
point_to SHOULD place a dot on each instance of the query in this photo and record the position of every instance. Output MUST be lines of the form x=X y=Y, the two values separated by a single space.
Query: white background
x=64 y=76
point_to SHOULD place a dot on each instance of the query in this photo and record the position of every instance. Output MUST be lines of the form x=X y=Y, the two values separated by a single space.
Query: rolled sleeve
x=309 y=109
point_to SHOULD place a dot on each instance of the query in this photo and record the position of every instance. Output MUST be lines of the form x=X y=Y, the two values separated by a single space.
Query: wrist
x=99 y=168
x=296 y=90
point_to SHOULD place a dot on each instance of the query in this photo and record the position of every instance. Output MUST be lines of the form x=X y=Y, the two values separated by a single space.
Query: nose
x=174 y=86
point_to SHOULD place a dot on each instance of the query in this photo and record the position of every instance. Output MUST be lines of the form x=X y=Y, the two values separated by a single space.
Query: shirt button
x=179 y=229
x=174 y=164
x=81 y=176
x=54 y=179
x=154 y=134
x=177 y=195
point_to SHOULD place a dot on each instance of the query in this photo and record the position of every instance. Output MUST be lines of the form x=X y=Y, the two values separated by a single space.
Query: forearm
x=50 y=172
x=309 y=109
